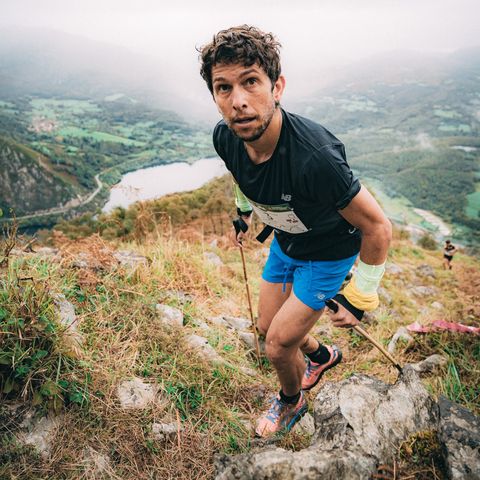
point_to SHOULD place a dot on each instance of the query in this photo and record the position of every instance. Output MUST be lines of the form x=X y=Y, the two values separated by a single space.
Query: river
x=154 y=182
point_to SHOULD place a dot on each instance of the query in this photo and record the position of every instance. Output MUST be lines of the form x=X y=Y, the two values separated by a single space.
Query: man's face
x=245 y=98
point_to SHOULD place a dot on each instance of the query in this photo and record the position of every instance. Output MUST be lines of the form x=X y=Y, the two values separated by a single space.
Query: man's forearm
x=375 y=243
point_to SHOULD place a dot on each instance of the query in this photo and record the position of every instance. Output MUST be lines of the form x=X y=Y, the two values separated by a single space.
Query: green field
x=53 y=108
x=397 y=208
x=473 y=203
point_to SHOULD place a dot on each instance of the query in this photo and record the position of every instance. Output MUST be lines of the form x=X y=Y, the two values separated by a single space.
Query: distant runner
x=448 y=252
x=293 y=174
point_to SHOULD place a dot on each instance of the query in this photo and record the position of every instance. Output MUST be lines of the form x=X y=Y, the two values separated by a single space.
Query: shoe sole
x=334 y=364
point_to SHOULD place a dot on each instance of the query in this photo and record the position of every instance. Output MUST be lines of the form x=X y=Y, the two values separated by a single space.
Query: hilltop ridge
x=123 y=275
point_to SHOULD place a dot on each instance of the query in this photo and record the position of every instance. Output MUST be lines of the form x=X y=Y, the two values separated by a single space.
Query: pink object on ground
x=443 y=325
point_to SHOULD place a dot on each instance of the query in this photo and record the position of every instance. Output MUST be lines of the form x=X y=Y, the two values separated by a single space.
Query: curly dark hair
x=243 y=44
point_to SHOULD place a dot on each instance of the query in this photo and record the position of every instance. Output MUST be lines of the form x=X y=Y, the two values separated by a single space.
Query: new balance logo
x=286 y=197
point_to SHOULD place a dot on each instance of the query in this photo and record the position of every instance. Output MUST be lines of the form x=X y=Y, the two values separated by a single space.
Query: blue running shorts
x=314 y=281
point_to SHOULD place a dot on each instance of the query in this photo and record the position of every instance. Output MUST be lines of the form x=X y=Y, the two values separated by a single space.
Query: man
x=449 y=251
x=293 y=173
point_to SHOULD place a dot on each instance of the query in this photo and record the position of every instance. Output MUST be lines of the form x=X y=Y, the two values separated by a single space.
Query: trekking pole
x=334 y=307
x=240 y=225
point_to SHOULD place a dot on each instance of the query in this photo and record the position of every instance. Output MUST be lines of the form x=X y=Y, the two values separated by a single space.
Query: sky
x=317 y=35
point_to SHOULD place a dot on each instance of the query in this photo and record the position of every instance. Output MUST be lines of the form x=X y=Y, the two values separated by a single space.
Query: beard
x=260 y=130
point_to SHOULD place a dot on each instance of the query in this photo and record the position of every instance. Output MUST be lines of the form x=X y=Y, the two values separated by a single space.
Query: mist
x=321 y=39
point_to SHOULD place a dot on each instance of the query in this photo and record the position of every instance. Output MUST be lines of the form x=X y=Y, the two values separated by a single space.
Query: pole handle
x=334 y=307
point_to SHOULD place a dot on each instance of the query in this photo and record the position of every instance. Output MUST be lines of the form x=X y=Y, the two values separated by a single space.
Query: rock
x=437 y=306
x=96 y=463
x=248 y=371
x=400 y=334
x=201 y=345
x=39 y=432
x=249 y=340
x=135 y=394
x=426 y=271
x=180 y=296
x=163 y=431
x=385 y=297
x=236 y=323
x=422 y=291
x=308 y=464
x=219 y=321
x=204 y=326
x=460 y=434
x=356 y=414
x=212 y=259
x=81 y=261
x=393 y=269
x=169 y=316
x=72 y=338
x=47 y=252
x=130 y=259
x=430 y=363
x=306 y=425
x=361 y=422
x=214 y=243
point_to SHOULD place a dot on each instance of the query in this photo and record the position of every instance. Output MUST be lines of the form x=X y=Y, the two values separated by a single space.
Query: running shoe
x=281 y=416
x=314 y=371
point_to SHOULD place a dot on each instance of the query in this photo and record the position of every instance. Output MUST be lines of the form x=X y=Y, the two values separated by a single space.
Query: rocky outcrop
x=460 y=433
x=360 y=423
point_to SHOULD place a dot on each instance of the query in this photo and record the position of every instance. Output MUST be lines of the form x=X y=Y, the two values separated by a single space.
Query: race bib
x=281 y=217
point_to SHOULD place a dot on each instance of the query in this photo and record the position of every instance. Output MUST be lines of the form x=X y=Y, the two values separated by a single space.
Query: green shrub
x=427 y=242
x=35 y=364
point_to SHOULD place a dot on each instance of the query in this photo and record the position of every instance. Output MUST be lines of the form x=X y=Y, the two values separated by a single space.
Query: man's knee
x=277 y=349
x=263 y=324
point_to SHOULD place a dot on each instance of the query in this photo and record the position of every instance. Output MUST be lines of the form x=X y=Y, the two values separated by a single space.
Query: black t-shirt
x=300 y=189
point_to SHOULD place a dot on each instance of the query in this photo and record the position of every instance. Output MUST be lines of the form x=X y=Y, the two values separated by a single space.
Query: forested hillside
x=415 y=127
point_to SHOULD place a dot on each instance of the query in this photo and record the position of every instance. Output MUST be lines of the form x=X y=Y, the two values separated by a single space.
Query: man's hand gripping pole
x=334 y=307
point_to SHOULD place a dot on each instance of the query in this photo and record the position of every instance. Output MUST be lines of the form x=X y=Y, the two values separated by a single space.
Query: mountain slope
x=28 y=184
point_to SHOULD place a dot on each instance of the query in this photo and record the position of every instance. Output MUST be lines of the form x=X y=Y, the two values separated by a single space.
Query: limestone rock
x=135 y=394
x=204 y=326
x=96 y=463
x=308 y=464
x=422 y=291
x=39 y=432
x=393 y=269
x=201 y=345
x=385 y=297
x=430 y=363
x=169 y=316
x=400 y=334
x=249 y=340
x=356 y=414
x=82 y=260
x=130 y=259
x=71 y=336
x=426 y=271
x=248 y=371
x=460 y=433
x=361 y=421
x=47 y=252
x=180 y=296
x=306 y=425
x=162 y=431
x=236 y=323
x=212 y=259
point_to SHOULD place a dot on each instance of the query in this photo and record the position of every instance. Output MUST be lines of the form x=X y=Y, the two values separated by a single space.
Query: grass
x=213 y=404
